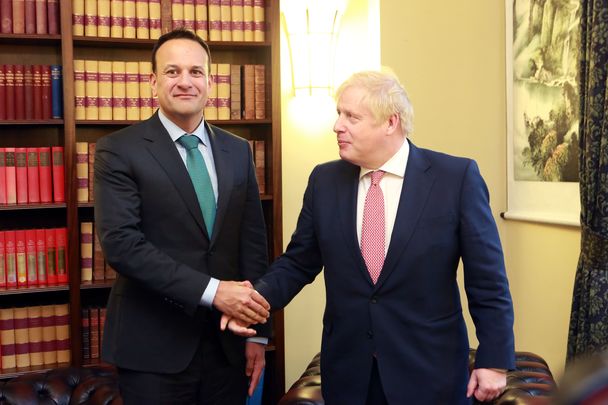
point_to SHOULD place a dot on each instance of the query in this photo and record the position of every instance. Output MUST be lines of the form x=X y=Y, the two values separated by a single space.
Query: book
x=18 y=16
x=132 y=90
x=7 y=338
x=9 y=91
x=10 y=254
x=41 y=256
x=62 y=256
x=28 y=91
x=49 y=335
x=79 y=90
x=85 y=334
x=258 y=21
x=19 y=99
x=226 y=20
x=34 y=334
x=94 y=332
x=200 y=18
x=102 y=324
x=86 y=251
x=33 y=179
x=223 y=91
x=98 y=259
x=2 y=261
x=47 y=97
x=116 y=18
x=110 y=273
x=119 y=90
x=82 y=171
x=41 y=18
x=260 y=164
x=30 y=255
x=129 y=29
x=105 y=90
x=30 y=16
x=2 y=93
x=103 y=18
x=235 y=92
x=189 y=15
x=52 y=11
x=10 y=175
x=37 y=89
x=91 y=158
x=155 y=19
x=90 y=18
x=2 y=176
x=56 y=92
x=51 y=256
x=145 y=91
x=248 y=20
x=62 y=327
x=210 y=111
x=58 y=170
x=142 y=19
x=6 y=14
x=214 y=19
x=237 y=26
x=177 y=13
x=45 y=174
x=21 y=174
x=259 y=86
x=248 y=92
x=22 y=347
x=91 y=84
x=21 y=258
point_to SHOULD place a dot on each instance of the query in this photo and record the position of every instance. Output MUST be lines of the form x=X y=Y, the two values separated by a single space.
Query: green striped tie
x=200 y=179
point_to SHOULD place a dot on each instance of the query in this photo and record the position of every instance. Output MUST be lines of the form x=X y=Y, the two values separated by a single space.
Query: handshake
x=241 y=306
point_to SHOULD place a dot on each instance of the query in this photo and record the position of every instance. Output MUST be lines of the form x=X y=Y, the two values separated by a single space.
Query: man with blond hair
x=389 y=223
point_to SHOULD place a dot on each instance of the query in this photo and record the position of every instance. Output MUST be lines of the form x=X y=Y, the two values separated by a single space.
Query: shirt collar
x=176 y=132
x=395 y=165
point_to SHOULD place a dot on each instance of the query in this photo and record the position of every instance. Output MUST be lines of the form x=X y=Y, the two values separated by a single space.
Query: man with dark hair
x=177 y=211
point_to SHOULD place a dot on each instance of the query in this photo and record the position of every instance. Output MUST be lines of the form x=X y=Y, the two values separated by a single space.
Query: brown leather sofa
x=63 y=386
x=531 y=383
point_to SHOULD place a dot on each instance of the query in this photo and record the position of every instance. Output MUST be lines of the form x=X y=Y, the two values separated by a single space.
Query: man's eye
x=198 y=73
x=171 y=73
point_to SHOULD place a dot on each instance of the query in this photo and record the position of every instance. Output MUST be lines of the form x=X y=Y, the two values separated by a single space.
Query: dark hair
x=180 y=33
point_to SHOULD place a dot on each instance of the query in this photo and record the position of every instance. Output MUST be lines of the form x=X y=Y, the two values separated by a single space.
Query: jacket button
x=370 y=334
x=374 y=299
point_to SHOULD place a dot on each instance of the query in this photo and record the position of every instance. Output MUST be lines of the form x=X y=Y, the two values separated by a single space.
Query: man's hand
x=235 y=326
x=256 y=360
x=487 y=384
x=240 y=301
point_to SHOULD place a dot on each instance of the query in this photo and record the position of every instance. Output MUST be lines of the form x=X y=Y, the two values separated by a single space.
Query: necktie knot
x=377 y=176
x=188 y=141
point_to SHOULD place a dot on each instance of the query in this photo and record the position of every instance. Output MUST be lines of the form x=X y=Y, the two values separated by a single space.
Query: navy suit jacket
x=152 y=232
x=411 y=320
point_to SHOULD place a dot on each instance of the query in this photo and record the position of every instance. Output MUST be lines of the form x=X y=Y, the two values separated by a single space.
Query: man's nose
x=184 y=79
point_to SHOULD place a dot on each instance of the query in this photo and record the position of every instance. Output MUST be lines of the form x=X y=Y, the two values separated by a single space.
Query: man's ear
x=153 y=84
x=394 y=123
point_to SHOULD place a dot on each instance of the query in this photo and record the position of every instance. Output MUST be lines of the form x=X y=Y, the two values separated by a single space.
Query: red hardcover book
x=37 y=83
x=51 y=257
x=53 y=16
x=9 y=80
x=19 y=99
x=41 y=256
x=28 y=91
x=18 y=17
x=30 y=16
x=86 y=331
x=33 y=181
x=6 y=14
x=10 y=251
x=94 y=332
x=45 y=174
x=21 y=258
x=2 y=261
x=2 y=176
x=2 y=93
x=58 y=174
x=41 y=18
x=30 y=254
x=21 y=174
x=62 y=255
x=11 y=179
x=47 y=99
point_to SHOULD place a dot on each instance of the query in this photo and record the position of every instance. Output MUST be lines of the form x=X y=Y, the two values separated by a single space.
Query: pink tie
x=373 y=230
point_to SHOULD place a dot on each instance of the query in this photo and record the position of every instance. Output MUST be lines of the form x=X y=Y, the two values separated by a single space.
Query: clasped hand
x=241 y=306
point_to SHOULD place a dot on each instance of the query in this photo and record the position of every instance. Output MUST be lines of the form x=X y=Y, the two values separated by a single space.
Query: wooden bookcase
x=63 y=49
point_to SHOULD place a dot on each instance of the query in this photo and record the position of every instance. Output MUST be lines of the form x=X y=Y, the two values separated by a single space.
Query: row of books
x=34 y=336
x=93 y=266
x=221 y=20
x=32 y=175
x=93 y=321
x=238 y=92
x=29 y=17
x=31 y=92
x=113 y=90
x=33 y=258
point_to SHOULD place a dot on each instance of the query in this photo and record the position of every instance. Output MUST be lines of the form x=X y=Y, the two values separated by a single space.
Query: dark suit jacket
x=411 y=320
x=152 y=232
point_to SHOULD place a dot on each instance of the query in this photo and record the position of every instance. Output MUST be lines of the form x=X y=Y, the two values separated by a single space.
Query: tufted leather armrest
x=531 y=383
x=63 y=386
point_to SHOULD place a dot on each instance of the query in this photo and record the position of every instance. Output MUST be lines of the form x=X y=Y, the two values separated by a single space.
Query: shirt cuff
x=260 y=340
x=209 y=293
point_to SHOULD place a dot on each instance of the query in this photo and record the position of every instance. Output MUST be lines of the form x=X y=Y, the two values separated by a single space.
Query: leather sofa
x=63 y=386
x=531 y=383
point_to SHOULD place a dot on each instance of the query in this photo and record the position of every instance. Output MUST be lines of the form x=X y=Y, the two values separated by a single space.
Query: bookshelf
x=31 y=49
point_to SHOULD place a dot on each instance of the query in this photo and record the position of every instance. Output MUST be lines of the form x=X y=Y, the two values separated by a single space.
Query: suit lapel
x=225 y=178
x=164 y=151
x=416 y=188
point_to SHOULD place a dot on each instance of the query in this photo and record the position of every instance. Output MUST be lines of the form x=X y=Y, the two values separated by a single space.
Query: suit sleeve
x=118 y=221
x=302 y=260
x=485 y=277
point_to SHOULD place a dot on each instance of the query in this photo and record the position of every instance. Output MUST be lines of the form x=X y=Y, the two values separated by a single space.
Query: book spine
x=91 y=158
x=235 y=92
x=82 y=172
x=189 y=15
x=2 y=176
x=33 y=179
x=22 y=347
x=19 y=99
x=129 y=15
x=98 y=259
x=155 y=19
x=94 y=330
x=28 y=91
x=34 y=334
x=30 y=16
x=142 y=19
x=145 y=91
x=49 y=335
x=62 y=255
x=10 y=246
x=45 y=174
x=41 y=256
x=116 y=18
x=47 y=98
x=102 y=323
x=91 y=81
x=30 y=253
x=223 y=91
x=110 y=273
x=260 y=165
x=210 y=111
x=226 y=20
x=86 y=251
x=2 y=260
x=105 y=90
x=90 y=18
x=132 y=88
x=20 y=254
x=119 y=91
x=18 y=16
x=58 y=174
x=201 y=24
x=9 y=88
x=51 y=256
x=11 y=176
x=2 y=94
x=37 y=78
x=177 y=14
x=53 y=16
x=103 y=18
x=79 y=90
x=62 y=325
x=21 y=174
x=85 y=334
x=259 y=86
x=259 y=24
x=248 y=20
x=78 y=19
x=6 y=13
x=237 y=27
x=7 y=338
x=248 y=92
x=215 y=20
x=41 y=18
x=56 y=92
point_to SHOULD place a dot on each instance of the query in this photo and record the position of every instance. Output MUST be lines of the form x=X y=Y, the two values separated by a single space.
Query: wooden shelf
x=89 y=285
x=8 y=373
x=48 y=206
x=33 y=290
x=32 y=122
x=31 y=39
